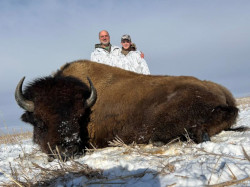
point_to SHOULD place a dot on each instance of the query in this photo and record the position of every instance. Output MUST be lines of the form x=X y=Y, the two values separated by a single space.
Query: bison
x=58 y=108
x=135 y=107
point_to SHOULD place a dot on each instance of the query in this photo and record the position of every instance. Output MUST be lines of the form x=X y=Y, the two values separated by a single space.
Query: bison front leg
x=205 y=137
x=200 y=135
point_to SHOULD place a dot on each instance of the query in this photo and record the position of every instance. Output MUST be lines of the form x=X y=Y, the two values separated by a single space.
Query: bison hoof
x=50 y=158
x=205 y=137
x=156 y=143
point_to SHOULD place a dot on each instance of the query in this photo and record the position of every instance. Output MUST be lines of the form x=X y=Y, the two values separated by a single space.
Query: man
x=104 y=52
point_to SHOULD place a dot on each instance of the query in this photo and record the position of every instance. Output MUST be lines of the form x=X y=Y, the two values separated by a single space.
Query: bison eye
x=41 y=126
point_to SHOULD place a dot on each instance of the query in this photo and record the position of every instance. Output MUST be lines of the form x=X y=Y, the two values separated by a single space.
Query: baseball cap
x=126 y=37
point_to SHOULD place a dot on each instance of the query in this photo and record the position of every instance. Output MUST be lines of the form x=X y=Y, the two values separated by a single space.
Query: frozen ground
x=223 y=160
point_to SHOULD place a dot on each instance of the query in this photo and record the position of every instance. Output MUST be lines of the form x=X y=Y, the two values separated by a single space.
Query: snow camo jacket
x=131 y=62
x=103 y=56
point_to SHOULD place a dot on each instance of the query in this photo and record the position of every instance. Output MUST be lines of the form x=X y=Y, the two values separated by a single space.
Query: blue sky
x=208 y=39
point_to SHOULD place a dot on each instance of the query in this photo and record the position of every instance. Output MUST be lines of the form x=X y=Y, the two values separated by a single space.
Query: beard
x=106 y=43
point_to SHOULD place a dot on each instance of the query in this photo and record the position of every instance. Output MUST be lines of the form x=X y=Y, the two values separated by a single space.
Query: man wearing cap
x=105 y=52
x=131 y=59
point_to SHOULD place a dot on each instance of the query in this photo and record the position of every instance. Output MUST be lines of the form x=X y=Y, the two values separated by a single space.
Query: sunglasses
x=125 y=41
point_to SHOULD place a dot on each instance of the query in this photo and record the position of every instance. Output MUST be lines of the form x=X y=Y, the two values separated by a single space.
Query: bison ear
x=93 y=95
x=28 y=117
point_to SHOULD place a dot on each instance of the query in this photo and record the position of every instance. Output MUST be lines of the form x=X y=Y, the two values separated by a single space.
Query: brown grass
x=14 y=138
x=243 y=100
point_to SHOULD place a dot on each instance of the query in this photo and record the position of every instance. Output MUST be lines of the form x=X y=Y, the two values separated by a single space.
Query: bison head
x=58 y=108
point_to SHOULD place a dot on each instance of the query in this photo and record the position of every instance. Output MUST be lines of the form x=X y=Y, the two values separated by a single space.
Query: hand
x=142 y=55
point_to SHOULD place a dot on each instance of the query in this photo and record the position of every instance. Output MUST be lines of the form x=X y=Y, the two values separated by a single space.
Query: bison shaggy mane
x=60 y=116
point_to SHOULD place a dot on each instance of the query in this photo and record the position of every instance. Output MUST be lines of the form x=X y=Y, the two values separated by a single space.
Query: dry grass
x=27 y=173
x=243 y=100
x=230 y=183
x=51 y=176
x=14 y=138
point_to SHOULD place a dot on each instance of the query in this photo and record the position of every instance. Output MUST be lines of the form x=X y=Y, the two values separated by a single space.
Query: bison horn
x=93 y=96
x=20 y=99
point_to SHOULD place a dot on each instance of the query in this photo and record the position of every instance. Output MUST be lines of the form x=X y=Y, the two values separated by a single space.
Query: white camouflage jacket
x=131 y=62
x=103 y=56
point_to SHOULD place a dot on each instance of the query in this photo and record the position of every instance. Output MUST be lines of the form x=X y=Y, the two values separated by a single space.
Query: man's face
x=104 y=38
x=126 y=44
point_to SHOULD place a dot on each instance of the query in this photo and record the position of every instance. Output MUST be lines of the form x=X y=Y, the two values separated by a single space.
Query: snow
x=223 y=159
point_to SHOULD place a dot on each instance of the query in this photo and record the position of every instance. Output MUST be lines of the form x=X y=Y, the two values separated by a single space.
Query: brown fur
x=59 y=118
x=146 y=108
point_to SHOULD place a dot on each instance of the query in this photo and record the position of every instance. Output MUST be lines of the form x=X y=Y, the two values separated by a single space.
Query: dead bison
x=135 y=107
x=58 y=108
x=146 y=108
